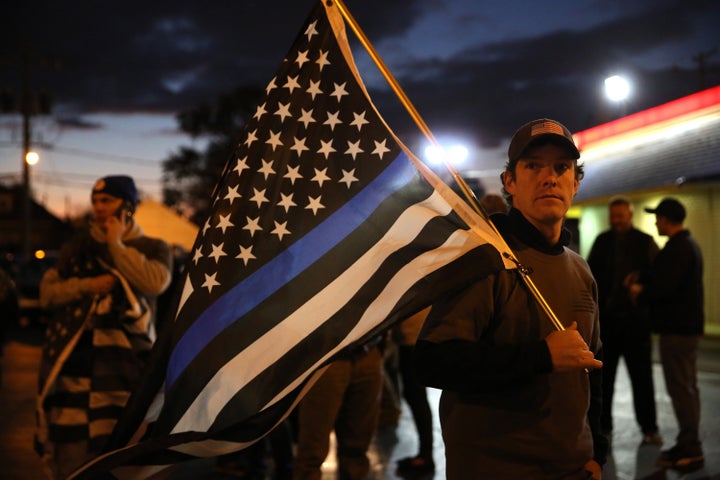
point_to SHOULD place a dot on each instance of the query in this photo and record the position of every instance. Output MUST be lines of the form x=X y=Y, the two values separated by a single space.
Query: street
x=628 y=459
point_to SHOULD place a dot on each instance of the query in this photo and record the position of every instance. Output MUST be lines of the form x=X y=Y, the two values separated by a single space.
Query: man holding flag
x=518 y=401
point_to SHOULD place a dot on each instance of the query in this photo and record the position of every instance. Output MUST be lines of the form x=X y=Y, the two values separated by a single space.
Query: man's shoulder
x=640 y=234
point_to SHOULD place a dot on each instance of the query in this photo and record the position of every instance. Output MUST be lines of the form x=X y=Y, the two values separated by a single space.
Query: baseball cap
x=120 y=186
x=540 y=128
x=670 y=209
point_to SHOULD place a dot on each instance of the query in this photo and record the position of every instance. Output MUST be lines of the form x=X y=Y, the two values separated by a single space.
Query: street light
x=454 y=154
x=617 y=89
x=32 y=158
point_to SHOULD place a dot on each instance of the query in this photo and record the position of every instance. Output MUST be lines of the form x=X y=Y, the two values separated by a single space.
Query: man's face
x=544 y=184
x=620 y=217
x=662 y=225
x=104 y=206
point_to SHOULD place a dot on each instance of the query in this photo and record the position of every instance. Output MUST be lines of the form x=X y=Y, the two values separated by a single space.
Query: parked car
x=26 y=275
x=8 y=305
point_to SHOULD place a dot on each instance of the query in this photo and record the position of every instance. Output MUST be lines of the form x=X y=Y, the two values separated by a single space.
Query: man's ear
x=507 y=180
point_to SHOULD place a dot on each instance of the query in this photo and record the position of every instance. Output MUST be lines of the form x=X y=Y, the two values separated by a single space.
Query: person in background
x=493 y=203
x=346 y=399
x=102 y=291
x=405 y=335
x=617 y=253
x=520 y=398
x=673 y=288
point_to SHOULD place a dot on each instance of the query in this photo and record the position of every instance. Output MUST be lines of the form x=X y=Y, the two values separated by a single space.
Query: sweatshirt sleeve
x=452 y=354
x=56 y=291
x=150 y=274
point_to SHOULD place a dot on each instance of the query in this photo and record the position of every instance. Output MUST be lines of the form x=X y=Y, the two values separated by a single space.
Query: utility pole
x=29 y=104
x=26 y=110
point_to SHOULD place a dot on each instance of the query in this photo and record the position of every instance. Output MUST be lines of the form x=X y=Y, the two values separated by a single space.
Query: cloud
x=505 y=67
x=490 y=89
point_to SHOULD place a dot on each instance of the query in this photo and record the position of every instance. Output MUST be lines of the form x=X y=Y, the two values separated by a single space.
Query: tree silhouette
x=190 y=175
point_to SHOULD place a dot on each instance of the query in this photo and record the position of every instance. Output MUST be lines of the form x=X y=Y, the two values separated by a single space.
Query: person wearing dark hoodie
x=521 y=398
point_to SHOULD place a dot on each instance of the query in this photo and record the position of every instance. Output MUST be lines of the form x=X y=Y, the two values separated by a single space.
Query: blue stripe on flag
x=265 y=281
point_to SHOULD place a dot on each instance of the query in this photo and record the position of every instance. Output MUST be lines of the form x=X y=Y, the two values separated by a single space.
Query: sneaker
x=679 y=459
x=652 y=439
x=411 y=466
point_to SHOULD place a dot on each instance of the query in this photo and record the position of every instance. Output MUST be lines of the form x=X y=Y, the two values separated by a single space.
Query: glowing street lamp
x=32 y=158
x=454 y=154
x=617 y=90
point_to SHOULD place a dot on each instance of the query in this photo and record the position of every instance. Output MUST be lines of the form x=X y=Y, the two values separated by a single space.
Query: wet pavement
x=628 y=459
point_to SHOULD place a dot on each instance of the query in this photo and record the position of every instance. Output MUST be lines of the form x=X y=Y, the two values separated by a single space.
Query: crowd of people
x=522 y=397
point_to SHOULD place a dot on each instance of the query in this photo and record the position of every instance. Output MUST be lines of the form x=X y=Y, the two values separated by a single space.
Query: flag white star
x=270 y=86
x=332 y=120
x=322 y=59
x=291 y=83
x=314 y=89
x=348 y=177
x=252 y=225
x=274 y=140
x=280 y=230
x=302 y=57
x=210 y=282
x=198 y=255
x=251 y=138
x=232 y=194
x=241 y=165
x=287 y=201
x=283 y=111
x=217 y=252
x=259 y=196
x=380 y=148
x=266 y=169
x=310 y=31
x=245 y=254
x=260 y=112
x=314 y=204
x=299 y=146
x=206 y=226
x=293 y=174
x=306 y=117
x=224 y=223
x=359 y=120
x=320 y=176
x=339 y=91
x=326 y=148
x=354 y=149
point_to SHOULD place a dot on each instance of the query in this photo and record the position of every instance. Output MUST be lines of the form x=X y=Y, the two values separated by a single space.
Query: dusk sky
x=475 y=71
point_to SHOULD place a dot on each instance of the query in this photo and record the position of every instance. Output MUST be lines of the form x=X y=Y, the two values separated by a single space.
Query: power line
x=63 y=178
x=107 y=156
x=78 y=152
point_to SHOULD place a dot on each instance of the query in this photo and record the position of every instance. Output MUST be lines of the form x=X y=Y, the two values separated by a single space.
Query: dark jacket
x=613 y=256
x=484 y=347
x=673 y=288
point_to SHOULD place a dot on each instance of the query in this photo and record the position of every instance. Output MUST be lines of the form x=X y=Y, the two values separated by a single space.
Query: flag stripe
x=289 y=263
x=308 y=316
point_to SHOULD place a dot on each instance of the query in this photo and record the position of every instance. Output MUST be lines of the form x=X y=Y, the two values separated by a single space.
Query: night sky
x=476 y=70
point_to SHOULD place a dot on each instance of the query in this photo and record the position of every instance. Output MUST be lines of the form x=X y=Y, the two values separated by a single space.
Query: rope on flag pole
x=469 y=194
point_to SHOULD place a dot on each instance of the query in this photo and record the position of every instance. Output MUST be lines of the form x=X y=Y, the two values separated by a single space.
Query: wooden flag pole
x=469 y=194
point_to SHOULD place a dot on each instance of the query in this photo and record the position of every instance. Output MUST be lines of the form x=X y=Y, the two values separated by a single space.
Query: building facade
x=669 y=150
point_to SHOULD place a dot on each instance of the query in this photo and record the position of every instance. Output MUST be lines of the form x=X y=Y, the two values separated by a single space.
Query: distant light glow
x=454 y=154
x=39 y=254
x=32 y=158
x=617 y=88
